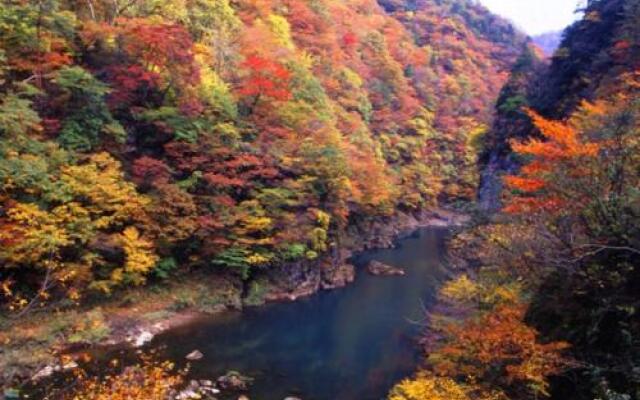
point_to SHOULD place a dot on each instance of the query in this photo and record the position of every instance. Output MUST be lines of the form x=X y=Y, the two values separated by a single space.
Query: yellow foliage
x=318 y=238
x=35 y=235
x=461 y=289
x=140 y=256
x=281 y=30
x=351 y=78
x=323 y=219
x=258 y=259
x=256 y=224
x=111 y=198
x=141 y=382
x=101 y=202
x=427 y=387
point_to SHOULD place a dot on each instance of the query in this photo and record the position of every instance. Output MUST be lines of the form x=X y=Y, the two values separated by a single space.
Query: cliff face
x=510 y=122
x=593 y=53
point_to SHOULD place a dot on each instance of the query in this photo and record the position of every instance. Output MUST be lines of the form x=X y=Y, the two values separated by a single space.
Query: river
x=348 y=344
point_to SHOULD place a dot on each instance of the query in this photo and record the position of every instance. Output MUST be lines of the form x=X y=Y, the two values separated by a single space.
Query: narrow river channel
x=348 y=344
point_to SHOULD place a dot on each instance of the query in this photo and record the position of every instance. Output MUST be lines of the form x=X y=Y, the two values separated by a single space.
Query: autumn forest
x=161 y=160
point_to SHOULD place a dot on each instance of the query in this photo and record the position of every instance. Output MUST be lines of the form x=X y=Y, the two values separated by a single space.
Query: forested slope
x=146 y=138
x=546 y=302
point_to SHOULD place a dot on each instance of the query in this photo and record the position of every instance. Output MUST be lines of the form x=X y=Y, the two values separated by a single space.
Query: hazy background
x=537 y=16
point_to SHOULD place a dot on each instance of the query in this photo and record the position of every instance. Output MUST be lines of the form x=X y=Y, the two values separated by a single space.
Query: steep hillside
x=546 y=302
x=594 y=53
x=146 y=138
x=566 y=137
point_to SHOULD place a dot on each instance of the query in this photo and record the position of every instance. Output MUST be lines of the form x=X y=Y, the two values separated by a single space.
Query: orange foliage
x=500 y=341
x=560 y=159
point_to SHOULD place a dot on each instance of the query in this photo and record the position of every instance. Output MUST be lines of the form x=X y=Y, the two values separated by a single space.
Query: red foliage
x=221 y=167
x=222 y=180
x=349 y=39
x=150 y=171
x=160 y=46
x=51 y=126
x=265 y=78
x=129 y=82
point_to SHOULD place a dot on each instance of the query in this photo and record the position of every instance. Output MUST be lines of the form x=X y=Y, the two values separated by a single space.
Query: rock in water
x=194 y=355
x=234 y=380
x=380 y=269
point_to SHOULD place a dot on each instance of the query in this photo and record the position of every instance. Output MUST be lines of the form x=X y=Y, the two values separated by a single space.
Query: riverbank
x=135 y=317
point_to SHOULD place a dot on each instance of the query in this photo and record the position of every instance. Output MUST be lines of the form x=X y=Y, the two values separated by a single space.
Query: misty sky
x=536 y=16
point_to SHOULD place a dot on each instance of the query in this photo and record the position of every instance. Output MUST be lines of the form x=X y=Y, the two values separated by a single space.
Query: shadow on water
x=348 y=344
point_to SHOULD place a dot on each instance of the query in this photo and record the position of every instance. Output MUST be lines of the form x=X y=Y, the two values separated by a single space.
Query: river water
x=348 y=344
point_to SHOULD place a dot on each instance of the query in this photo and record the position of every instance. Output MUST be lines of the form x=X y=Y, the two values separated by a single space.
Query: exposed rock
x=194 y=355
x=234 y=380
x=198 y=390
x=243 y=397
x=290 y=281
x=444 y=219
x=70 y=365
x=43 y=373
x=142 y=338
x=334 y=277
x=381 y=269
x=188 y=394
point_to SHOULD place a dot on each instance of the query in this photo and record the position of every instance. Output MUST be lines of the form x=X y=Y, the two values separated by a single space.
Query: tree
x=67 y=244
x=86 y=116
x=426 y=387
x=499 y=348
x=265 y=80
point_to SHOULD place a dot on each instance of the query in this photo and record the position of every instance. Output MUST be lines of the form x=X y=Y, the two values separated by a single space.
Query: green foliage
x=87 y=115
x=165 y=267
x=294 y=251
x=17 y=116
x=236 y=259
x=170 y=119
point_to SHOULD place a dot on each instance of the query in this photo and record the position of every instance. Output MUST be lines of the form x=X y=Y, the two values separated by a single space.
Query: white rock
x=194 y=355
x=70 y=365
x=188 y=394
x=142 y=338
x=43 y=373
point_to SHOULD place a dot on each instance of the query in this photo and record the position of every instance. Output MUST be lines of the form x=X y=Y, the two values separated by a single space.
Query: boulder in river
x=234 y=380
x=194 y=355
x=381 y=269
